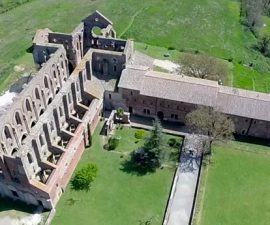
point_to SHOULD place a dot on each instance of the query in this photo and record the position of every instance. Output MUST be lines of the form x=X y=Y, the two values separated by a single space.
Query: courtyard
x=117 y=196
x=235 y=186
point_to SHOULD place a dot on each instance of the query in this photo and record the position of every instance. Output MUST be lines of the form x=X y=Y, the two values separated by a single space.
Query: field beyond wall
x=208 y=26
x=235 y=187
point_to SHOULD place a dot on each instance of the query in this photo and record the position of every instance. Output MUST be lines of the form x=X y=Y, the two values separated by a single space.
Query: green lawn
x=116 y=197
x=206 y=25
x=236 y=186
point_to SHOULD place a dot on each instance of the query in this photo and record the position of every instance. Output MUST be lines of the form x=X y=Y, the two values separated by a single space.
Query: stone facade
x=48 y=126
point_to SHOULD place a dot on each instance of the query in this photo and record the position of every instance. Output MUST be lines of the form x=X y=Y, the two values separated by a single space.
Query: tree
x=254 y=12
x=203 y=66
x=206 y=121
x=263 y=45
x=84 y=177
x=155 y=140
x=148 y=157
x=119 y=112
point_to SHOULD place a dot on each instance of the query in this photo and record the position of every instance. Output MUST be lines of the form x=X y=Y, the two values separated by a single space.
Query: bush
x=230 y=59
x=113 y=143
x=171 y=48
x=140 y=134
x=171 y=142
x=174 y=143
x=84 y=177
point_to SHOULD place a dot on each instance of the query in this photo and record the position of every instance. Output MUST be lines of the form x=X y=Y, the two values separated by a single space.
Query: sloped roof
x=243 y=103
x=179 y=88
x=132 y=77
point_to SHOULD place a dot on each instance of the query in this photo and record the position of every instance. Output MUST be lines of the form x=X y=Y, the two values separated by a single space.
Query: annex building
x=82 y=74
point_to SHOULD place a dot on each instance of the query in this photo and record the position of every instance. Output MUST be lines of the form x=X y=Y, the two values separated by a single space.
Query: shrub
x=175 y=143
x=171 y=142
x=230 y=59
x=140 y=134
x=197 y=52
x=84 y=177
x=171 y=48
x=113 y=143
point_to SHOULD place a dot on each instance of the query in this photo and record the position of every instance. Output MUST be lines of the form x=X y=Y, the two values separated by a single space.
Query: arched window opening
x=46 y=82
x=33 y=124
x=41 y=140
x=61 y=111
x=14 y=152
x=37 y=94
x=18 y=118
x=23 y=138
x=28 y=106
x=51 y=83
x=41 y=112
x=49 y=101
x=7 y=132
x=62 y=65
x=54 y=75
x=29 y=157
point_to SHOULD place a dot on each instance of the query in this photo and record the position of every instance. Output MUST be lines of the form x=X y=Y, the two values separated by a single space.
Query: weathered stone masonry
x=48 y=126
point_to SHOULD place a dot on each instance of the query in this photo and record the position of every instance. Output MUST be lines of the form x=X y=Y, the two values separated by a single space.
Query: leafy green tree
x=119 y=112
x=84 y=177
x=264 y=44
x=155 y=142
x=148 y=157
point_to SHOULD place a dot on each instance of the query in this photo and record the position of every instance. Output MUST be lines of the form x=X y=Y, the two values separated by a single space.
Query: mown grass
x=235 y=186
x=206 y=26
x=117 y=196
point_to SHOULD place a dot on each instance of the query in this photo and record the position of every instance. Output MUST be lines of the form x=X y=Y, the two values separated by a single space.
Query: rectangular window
x=110 y=96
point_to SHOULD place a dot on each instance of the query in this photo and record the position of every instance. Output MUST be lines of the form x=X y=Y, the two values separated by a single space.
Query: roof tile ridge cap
x=243 y=96
x=181 y=78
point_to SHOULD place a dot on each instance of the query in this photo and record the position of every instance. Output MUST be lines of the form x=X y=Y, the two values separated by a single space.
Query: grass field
x=116 y=197
x=236 y=187
x=206 y=25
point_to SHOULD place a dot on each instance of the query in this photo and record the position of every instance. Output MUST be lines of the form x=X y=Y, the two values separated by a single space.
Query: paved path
x=182 y=196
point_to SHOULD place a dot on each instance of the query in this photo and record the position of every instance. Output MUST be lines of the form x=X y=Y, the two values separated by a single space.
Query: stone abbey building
x=47 y=128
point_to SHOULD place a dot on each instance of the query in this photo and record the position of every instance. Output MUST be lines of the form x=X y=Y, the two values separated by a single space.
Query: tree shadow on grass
x=140 y=164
